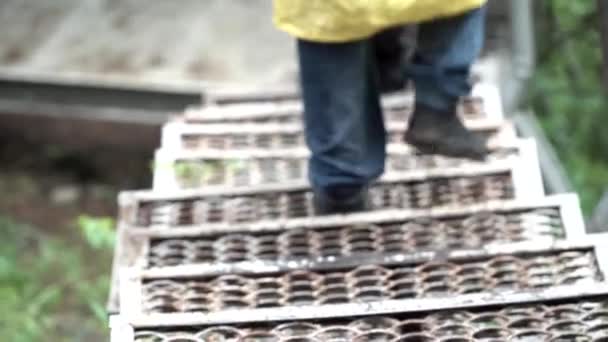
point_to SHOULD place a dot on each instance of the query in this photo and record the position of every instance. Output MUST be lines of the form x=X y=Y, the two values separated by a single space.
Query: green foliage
x=568 y=94
x=24 y=298
x=98 y=232
x=205 y=171
x=201 y=170
x=50 y=289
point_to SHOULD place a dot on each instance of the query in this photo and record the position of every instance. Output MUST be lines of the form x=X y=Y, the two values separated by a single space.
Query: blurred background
x=86 y=84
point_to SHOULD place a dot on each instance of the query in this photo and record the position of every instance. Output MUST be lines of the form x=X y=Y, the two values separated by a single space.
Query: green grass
x=53 y=289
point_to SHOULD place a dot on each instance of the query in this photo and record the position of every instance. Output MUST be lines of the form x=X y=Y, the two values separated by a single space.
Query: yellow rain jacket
x=348 y=20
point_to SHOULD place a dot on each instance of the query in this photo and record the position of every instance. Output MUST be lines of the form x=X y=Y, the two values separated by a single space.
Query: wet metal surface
x=407 y=237
x=584 y=321
x=195 y=172
x=250 y=206
x=370 y=283
x=396 y=108
x=235 y=137
x=232 y=251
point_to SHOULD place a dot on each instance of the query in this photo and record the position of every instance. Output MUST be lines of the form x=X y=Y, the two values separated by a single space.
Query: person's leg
x=343 y=122
x=389 y=53
x=447 y=49
x=393 y=48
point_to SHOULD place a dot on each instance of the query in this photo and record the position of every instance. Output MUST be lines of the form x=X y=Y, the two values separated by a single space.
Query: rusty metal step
x=270 y=112
x=396 y=108
x=505 y=274
x=483 y=103
x=227 y=247
x=371 y=278
x=239 y=246
x=582 y=319
x=408 y=236
x=246 y=136
x=189 y=170
x=413 y=190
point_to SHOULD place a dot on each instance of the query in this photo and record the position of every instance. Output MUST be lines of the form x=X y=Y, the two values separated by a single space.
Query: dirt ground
x=50 y=186
x=146 y=41
x=137 y=42
x=134 y=42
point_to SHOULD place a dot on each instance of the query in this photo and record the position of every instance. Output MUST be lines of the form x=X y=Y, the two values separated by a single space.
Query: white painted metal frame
x=490 y=93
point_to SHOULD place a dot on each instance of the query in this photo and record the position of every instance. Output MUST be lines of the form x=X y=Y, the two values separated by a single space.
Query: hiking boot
x=435 y=132
x=341 y=201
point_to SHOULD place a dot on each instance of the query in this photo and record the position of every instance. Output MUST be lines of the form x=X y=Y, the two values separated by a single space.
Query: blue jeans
x=343 y=118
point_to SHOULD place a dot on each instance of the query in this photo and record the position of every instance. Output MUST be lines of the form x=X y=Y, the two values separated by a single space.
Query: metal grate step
x=227 y=247
x=238 y=246
x=190 y=170
x=384 y=285
x=370 y=282
x=415 y=190
x=583 y=320
x=484 y=103
x=408 y=237
x=214 y=137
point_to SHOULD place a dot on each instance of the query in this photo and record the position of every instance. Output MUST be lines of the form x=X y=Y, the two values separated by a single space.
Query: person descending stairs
x=343 y=215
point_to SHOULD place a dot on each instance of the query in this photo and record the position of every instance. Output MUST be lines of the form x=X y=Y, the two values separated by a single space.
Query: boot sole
x=444 y=150
x=357 y=205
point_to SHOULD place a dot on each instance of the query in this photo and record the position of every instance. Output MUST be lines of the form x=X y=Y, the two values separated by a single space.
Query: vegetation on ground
x=568 y=94
x=53 y=289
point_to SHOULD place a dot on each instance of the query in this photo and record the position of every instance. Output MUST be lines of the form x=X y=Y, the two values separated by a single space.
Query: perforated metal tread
x=585 y=320
x=506 y=274
x=580 y=321
x=527 y=266
x=469 y=227
x=484 y=102
x=518 y=174
x=409 y=237
x=189 y=137
x=190 y=170
x=416 y=190
x=406 y=231
x=291 y=110
x=366 y=283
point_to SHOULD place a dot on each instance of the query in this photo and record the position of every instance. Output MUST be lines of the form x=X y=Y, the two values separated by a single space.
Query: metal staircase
x=226 y=246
